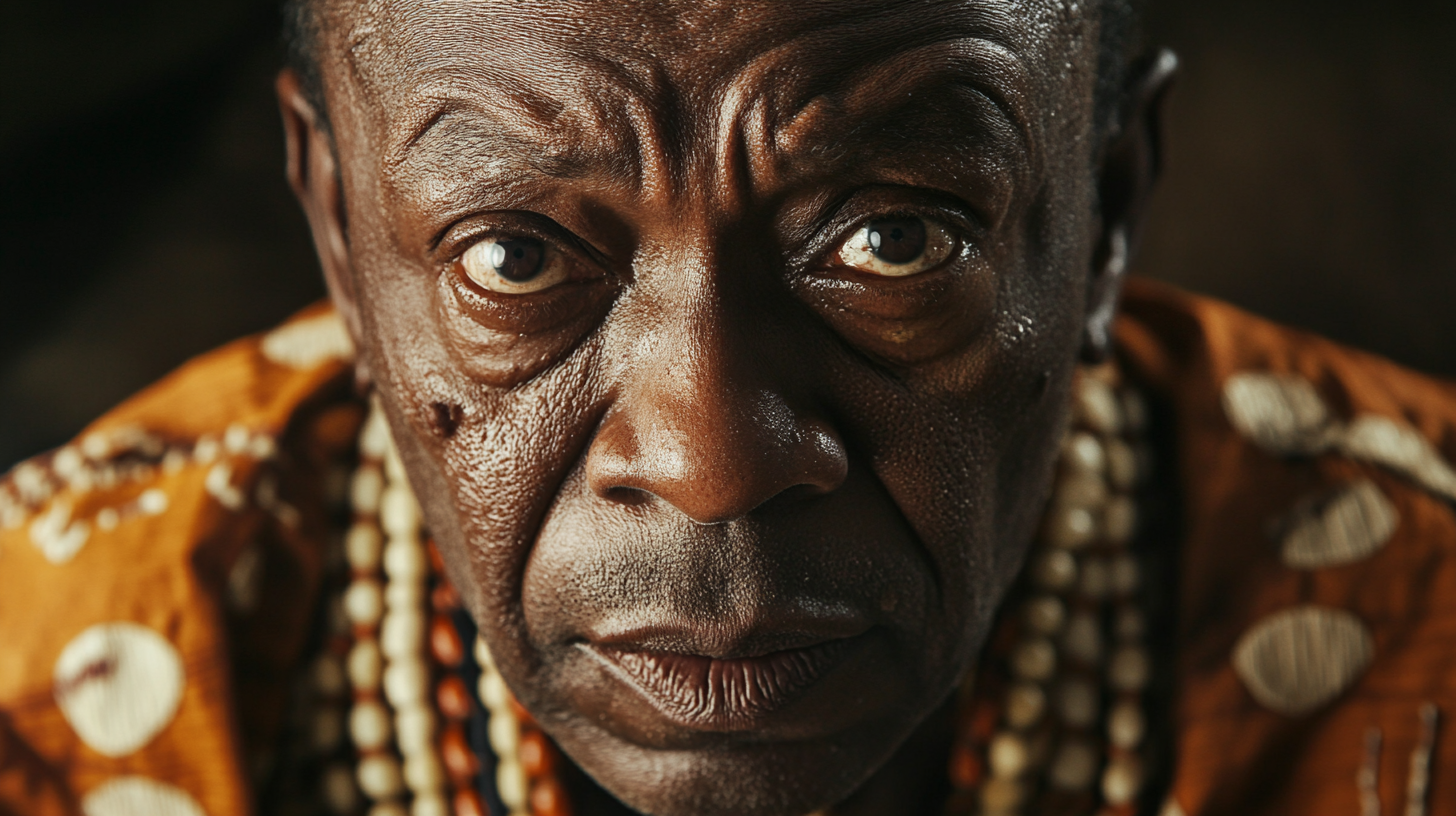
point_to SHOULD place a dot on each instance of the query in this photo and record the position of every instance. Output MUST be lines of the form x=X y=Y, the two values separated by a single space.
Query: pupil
x=897 y=240
x=517 y=260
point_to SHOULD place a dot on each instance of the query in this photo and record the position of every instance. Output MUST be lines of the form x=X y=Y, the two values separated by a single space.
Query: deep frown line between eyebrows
x=464 y=131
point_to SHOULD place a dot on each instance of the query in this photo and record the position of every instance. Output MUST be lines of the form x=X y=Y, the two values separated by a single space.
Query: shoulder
x=129 y=561
x=1317 y=581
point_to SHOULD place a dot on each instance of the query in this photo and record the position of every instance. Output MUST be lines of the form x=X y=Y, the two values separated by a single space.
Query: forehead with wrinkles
x=649 y=91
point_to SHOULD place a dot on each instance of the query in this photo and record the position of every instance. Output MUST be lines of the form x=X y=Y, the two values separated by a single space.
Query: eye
x=897 y=247
x=514 y=266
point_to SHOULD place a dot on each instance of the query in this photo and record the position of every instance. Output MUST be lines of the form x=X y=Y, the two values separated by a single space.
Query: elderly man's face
x=727 y=345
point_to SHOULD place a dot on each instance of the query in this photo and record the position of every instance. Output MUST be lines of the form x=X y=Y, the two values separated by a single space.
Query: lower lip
x=704 y=693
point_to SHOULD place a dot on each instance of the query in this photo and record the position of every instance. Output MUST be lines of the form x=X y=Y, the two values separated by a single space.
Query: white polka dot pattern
x=139 y=796
x=308 y=343
x=1297 y=660
x=118 y=685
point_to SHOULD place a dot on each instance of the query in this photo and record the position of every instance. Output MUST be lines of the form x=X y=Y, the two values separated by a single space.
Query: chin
x=756 y=780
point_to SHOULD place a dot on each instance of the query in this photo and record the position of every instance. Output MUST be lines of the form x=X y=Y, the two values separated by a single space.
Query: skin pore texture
x=733 y=511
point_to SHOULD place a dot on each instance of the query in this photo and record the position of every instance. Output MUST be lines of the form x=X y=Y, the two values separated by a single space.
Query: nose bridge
x=706 y=418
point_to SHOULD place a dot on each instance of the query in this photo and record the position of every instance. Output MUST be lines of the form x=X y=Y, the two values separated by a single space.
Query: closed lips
x=722 y=694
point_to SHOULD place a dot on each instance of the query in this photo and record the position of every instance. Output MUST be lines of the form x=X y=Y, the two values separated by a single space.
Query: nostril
x=626 y=496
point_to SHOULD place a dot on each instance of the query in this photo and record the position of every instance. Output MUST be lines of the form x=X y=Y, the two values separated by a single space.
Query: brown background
x=143 y=216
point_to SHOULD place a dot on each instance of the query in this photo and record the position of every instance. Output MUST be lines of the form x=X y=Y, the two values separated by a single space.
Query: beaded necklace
x=1052 y=721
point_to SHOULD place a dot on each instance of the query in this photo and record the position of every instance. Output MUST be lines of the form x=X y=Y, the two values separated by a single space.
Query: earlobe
x=313 y=173
x=1129 y=168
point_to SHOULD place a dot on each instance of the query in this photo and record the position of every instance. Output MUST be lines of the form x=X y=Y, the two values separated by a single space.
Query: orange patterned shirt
x=160 y=576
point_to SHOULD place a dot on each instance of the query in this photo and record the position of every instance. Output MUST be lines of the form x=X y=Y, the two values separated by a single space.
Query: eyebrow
x=532 y=134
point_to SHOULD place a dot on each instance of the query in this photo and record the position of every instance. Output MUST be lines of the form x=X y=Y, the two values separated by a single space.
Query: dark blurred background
x=144 y=217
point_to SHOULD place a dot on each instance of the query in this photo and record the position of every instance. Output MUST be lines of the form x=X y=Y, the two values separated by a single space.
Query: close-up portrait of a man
x=737 y=408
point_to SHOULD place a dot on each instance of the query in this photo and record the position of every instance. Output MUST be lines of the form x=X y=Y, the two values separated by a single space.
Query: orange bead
x=549 y=799
x=453 y=698
x=445 y=642
x=966 y=767
x=437 y=564
x=537 y=755
x=983 y=723
x=444 y=598
x=461 y=762
x=467 y=803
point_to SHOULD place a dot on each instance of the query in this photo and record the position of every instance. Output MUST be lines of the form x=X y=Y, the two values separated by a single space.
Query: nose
x=706 y=426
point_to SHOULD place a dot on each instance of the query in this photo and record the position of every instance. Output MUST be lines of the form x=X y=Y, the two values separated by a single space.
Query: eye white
x=865 y=250
x=514 y=266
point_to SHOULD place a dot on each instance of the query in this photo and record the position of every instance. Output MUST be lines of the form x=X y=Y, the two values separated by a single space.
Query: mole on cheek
x=447 y=418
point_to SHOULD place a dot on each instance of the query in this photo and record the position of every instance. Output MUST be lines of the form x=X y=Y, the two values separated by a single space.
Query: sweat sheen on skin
x=710 y=433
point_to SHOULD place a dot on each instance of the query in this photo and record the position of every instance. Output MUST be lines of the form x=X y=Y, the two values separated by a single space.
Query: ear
x=313 y=173
x=1130 y=164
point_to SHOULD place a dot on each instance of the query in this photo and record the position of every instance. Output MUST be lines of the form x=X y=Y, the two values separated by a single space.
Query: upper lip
x=724 y=640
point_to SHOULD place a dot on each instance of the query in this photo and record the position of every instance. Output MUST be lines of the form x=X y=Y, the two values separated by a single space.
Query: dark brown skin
x=711 y=449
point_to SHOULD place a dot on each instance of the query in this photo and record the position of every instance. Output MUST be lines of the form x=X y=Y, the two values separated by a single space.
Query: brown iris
x=898 y=240
x=897 y=247
x=514 y=265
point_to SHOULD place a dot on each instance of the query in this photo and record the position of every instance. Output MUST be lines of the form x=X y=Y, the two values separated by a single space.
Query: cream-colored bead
x=1074 y=767
x=340 y=794
x=327 y=728
x=429 y=804
x=369 y=726
x=404 y=595
x=1008 y=755
x=398 y=513
x=406 y=682
x=379 y=777
x=1083 y=453
x=1096 y=580
x=1122 y=780
x=1025 y=703
x=374 y=439
x=1086 y=490
x=1124 y=575
x=363 y=547
x=1002 y=797
x=510 y=782
x=1082 y=639
x=1034 y=659
x=415 y=725
x=404 y=560
x=1126 y=726
x=402 y=634
x=1129 y=669
x=365 y=489
x=390 y=808
x=364 y=602
x=1098 y=407
x=1122 y=465
x=1119 y=520
x=1055 y=570
x=329 y=678
x=423 y=772
x=483 y=655
x=1077 y=703
x=365 y=666
x=493 y=691
x=504 y=732
x=1070 y=528
x=1045 y=614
